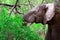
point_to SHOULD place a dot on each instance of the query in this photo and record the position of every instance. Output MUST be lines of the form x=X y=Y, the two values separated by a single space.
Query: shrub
x=11 y=28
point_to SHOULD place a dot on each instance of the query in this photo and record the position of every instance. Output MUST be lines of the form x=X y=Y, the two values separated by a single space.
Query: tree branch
x=8 y=5
x=30 y=3
x=18 y=12
x=42 y=1
x=13 y=7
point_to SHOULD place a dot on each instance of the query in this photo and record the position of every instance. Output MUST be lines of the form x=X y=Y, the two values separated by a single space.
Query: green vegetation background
x=11 y=27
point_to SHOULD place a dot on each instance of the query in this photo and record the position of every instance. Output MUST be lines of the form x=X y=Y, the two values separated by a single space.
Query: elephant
x=46 y=14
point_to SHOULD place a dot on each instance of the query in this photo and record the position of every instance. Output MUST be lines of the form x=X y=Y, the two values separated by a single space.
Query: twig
x=8 y=5
x=25 y=4
x=8 y=37
x=18 y=12
x=30 y=3
x=42 y=1
x=13 y=7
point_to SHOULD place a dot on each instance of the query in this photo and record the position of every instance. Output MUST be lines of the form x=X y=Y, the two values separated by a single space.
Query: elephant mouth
x=27 y=23
x=36 y=20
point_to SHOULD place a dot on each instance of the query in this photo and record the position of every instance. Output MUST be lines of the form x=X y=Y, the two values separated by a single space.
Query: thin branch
x=8 y=5
x=18 y=12
x=30 y=3
x=25 y=4
x=8 y=37
x=13 y=7
x=42 y=1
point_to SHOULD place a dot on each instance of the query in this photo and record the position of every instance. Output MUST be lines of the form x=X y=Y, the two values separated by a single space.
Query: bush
x=11 y=28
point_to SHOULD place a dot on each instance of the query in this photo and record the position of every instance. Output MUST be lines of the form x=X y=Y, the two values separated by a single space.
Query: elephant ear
x=50 y=12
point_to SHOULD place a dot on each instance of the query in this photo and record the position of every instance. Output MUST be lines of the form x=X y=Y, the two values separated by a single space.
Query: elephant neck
x=55 y=22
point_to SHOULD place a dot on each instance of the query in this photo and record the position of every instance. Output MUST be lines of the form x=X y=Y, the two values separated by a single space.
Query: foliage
x=11 y=28
x=49 y=1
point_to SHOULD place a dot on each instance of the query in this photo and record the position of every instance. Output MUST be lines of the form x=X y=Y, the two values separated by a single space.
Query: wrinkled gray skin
x=36 y=14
